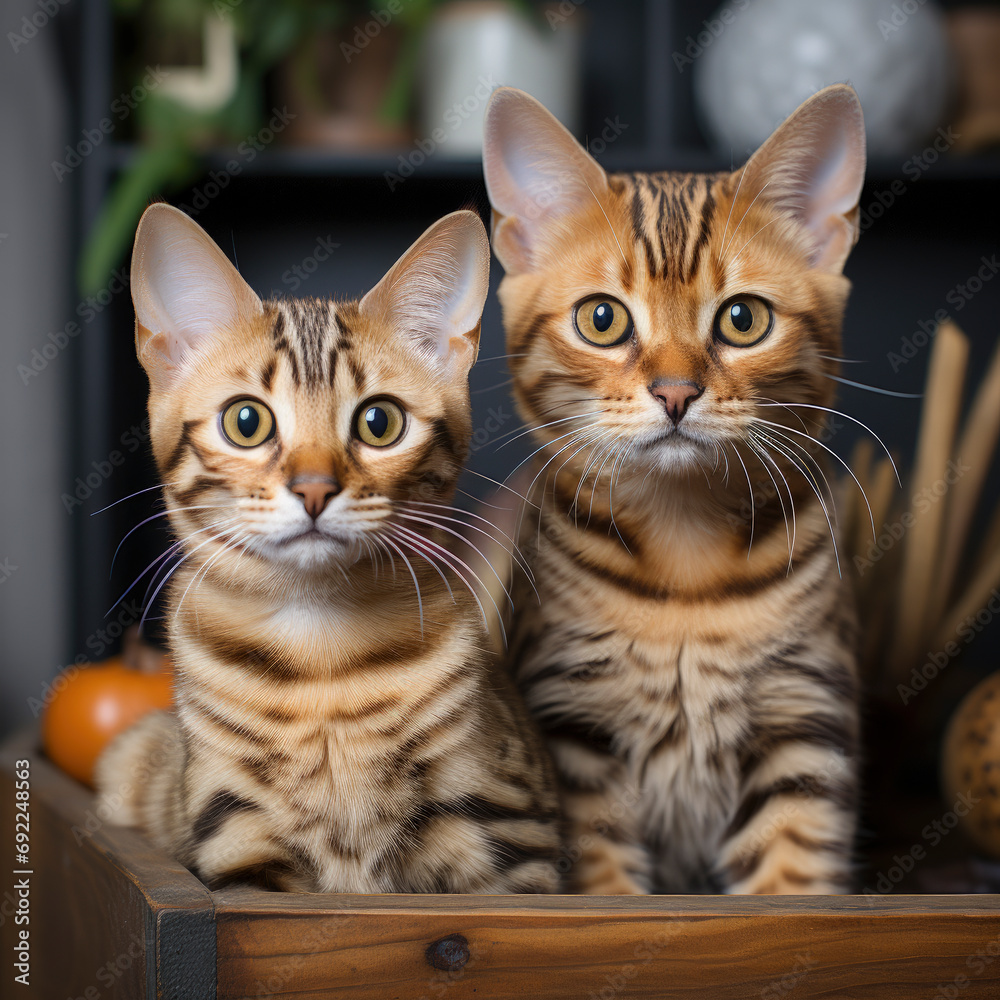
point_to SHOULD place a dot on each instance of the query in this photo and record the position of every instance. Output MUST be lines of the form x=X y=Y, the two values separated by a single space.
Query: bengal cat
x=340 y=726
x=692 y=658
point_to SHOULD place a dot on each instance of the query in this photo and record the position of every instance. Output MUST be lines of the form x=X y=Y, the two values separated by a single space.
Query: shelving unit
x=903 y=269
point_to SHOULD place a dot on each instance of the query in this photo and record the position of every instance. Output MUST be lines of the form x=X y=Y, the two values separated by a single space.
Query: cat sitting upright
x=692 y=659
x=339 y=725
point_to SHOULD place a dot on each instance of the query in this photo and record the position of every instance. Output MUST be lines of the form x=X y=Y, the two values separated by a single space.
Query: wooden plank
x=308 y=947
x=111 y=916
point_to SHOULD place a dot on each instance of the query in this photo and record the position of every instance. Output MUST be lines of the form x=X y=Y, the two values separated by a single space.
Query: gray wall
x=37 y=228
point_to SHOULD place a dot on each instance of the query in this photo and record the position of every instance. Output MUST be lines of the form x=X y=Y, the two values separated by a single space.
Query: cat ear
x=436 y=291
x=184 y=289
x=536 y=172
x=814 y=167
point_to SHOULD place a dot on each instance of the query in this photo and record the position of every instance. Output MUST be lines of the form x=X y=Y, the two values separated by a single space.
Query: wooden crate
x=113 y=917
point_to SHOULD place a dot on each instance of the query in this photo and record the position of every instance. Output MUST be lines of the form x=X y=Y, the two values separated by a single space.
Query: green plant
x=172 y=136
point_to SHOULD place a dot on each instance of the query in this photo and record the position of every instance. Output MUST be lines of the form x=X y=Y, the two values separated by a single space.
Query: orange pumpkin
x=92 y=705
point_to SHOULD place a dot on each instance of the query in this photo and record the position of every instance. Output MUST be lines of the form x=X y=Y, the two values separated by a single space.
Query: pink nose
x=315 y=495
x=676 y=396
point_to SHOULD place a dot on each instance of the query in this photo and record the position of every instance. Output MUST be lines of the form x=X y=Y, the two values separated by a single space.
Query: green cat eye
x=743 y=320
x=603 y=321
x=380 y=422
x=247 y=423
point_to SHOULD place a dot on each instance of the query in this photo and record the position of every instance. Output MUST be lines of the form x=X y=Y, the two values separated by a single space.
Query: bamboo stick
x=935 y=444
x=860 y=526
x=975 y=598
x=991 y=541
x=973 y=457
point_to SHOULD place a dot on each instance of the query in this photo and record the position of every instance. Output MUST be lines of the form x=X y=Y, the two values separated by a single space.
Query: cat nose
x=676 y=396
x=315 y=493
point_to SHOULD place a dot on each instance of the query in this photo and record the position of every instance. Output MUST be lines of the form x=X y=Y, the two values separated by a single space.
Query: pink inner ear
x=184 y=288
x=814 y=166
x=436 y=291
x=535 y=170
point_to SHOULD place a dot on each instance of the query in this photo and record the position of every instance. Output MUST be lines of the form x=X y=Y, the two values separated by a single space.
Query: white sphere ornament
x=773 y=54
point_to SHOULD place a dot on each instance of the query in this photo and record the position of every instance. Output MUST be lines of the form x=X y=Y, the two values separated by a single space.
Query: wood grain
x=94 y=900
x=578 y=947
x=110 y=914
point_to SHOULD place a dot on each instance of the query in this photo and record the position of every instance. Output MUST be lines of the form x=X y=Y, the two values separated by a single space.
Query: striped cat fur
x=334 y=731
x=692 y=657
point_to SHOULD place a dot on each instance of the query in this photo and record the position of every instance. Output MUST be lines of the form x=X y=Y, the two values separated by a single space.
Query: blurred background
x=315 y=140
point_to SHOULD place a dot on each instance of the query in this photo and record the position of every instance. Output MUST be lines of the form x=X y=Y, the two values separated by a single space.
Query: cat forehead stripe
x=671 y=216
x=310 y=333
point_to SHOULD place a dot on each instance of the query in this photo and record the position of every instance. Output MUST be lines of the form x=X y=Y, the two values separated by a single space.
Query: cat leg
x=793 y=829
x=138 y=777
x=603 y=852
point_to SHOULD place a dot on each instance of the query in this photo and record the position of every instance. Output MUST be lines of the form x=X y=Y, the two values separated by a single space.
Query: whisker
x=522 y=431
x=753 y=504
x=765 y=454
x=826 y=513
x=842 y=361
x=430 y=562
x=170 y=576
x=490 y=388
x=846 y=465
x=129 y=497
x=777 y=489
x=462 y=538
x=846 y=416
x=514 y=550
x=409 y=566
x=749 y=241
x=742 y=217
x=874 y=388
x=450 y=559
x=496 y=482
x=501 y=357
x=608 y=221
x=153 y=517
x=733 y=205
x=170 y=550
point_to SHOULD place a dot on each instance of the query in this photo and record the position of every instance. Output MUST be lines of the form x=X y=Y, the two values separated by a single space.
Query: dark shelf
x=318 y=162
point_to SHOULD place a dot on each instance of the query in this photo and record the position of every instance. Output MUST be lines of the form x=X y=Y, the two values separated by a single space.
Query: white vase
x=471 y=48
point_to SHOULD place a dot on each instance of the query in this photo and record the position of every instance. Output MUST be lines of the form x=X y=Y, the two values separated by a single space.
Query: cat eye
x=743 y=321
x=247 y=423
x=380 y=422
x=603 y=321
